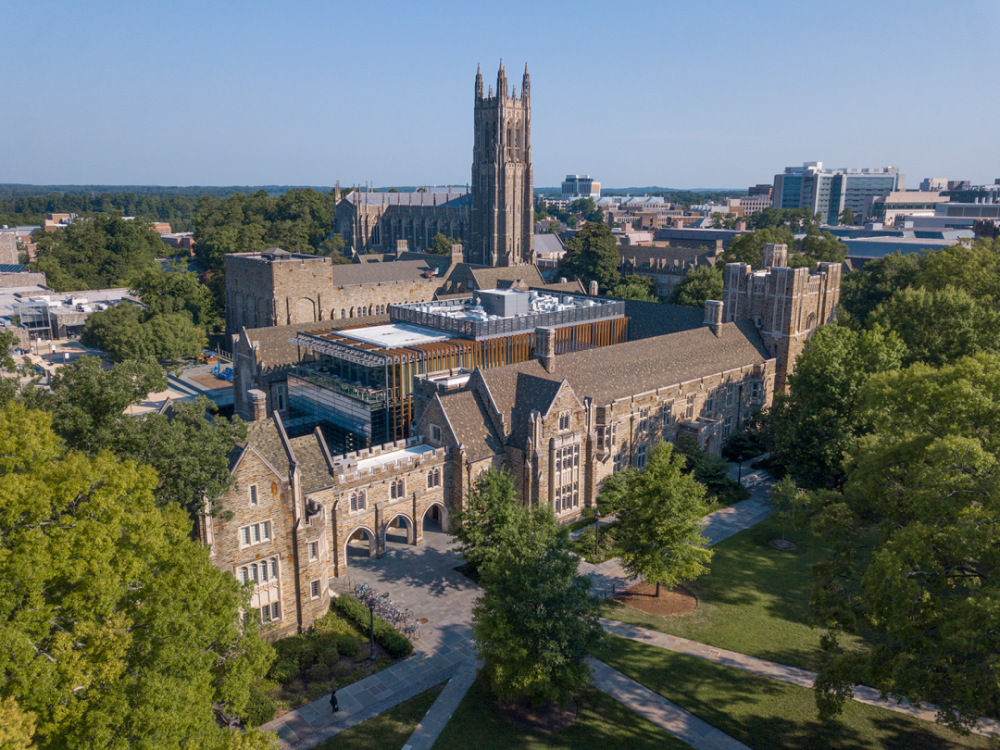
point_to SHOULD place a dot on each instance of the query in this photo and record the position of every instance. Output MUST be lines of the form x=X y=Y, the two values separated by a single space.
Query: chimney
x=562 y=279
x=258 y=404
x=678 y=224
x=402 y=246
x=775 y=256
x=456 y=253
x=741 y=226
x=592 y=290
x=713 y=316
x=545 y=347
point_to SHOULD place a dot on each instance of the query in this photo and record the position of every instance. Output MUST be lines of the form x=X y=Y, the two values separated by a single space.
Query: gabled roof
x=263 y=437
x=649 y=319
x=606 y=374
x=354 y=274
x=312 y=463
x=472 y=425
x=500 y=277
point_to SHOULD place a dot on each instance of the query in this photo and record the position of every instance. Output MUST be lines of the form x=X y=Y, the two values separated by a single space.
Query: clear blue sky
x=679 y=94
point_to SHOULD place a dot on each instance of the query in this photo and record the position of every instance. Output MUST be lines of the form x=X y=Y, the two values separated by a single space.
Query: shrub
x=296 y=685
x=386 y=635
x=260 y=708
x=348 y=645
x=297 y=648
x=329 y=655
x=284 y=670
x=330 y=624
x=318 y=672
x=317 y=689
x=343 y=668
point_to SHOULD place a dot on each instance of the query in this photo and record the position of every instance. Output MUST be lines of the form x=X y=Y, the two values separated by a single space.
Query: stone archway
x=392 y=532
x=304 y=311
x=437 y=515
x=360 y=534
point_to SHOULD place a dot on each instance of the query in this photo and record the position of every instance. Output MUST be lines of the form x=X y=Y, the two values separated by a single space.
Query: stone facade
x=502 y=197
x=286 y=524
x=21 y=278
x=786 y=304
x=373 y=222
x=8 y=249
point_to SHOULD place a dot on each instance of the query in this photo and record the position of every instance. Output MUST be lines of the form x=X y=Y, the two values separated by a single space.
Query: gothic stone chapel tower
x=502 y=208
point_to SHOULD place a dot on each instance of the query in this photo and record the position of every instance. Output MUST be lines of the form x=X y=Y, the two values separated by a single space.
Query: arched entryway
x=399 y=530
x=435 y=518
x=360 y=544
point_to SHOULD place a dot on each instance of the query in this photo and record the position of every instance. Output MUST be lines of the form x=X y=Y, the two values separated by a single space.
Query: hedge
x=397 y=644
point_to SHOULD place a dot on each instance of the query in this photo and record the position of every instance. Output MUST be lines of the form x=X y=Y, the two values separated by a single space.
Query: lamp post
x=371 y=629
x=597 y=532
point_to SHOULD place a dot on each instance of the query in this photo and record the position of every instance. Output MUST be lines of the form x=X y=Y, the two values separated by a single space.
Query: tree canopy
x=119 y=631
x=815 y=247
x=99 y=252
x=536 y=621
x=698 y=285
x=917 y=544
x=441 y=244
x=659 y=523
x=592 y=254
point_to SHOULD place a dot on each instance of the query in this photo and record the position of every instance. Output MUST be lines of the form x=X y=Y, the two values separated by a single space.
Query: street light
x=371 y=629
x=597 y=531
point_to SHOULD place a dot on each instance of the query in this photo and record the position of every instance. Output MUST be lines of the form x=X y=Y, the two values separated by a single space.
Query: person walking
x=334 y=706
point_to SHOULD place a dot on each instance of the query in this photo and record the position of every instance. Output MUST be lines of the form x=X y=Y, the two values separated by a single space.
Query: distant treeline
x=28 y=204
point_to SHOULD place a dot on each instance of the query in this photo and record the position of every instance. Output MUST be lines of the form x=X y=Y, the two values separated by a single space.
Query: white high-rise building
x=581 y=185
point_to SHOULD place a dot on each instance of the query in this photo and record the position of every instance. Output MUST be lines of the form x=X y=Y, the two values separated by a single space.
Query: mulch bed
x=641 y=596
x=547 y=718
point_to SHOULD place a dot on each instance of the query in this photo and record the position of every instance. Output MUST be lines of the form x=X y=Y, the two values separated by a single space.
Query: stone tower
x=502 y=208
x=786 y=304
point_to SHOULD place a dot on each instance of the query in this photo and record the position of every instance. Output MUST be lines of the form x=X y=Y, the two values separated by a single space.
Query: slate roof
x=471 y=422
x=609 y=373
x=355 y=274
x=263 y=436
x=547 y=243
x=566 y=287
x=312 y=463
x=649 y=319
x=494 y=278
x=427 y=200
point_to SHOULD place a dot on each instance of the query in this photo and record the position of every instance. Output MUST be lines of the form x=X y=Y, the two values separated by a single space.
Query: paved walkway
x=792 y=675
x=680 y=723
x=423 y=579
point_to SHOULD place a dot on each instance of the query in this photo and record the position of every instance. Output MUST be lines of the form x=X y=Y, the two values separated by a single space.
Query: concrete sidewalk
x=657 y=709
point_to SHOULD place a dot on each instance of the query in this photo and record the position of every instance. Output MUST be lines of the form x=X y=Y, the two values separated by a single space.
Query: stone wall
x=23 y=278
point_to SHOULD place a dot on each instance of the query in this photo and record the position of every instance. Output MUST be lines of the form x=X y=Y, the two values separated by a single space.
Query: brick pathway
x=792 y=675
x=680 y=723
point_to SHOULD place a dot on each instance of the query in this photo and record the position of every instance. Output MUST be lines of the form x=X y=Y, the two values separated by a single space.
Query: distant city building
x=886 y=208
x=758 y=199
x=581 y=186
x=829 y=191
x=933 y=184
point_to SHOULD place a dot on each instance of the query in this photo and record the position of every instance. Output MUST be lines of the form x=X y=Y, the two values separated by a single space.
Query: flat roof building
x=829 y=191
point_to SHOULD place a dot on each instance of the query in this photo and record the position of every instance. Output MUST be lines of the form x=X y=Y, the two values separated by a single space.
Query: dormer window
x=564 y=421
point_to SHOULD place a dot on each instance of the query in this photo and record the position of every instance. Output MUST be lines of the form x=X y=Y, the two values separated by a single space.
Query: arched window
x=343 y=313
x=244 y=575
x=263 y=572
x=274 y=568
x=253 y=573
x=434 y=478
x=398 y=490
x=358 y=501
x=352 y=312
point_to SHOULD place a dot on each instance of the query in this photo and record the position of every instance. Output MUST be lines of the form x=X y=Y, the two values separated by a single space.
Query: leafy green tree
x=536 y=622
x=615 y=489
x=863 y=290
x=119 y=631
x=971 y=267
x=17 y=727
x=659 y=524
x=847 y=216
x=816 y=424
x=632 y=291
x=97 y=252
x=917 y=545
x=188 y=451
x=491 y=508
x=718 y=220
x=126 y=332
x=167 y=292
x=88 y=402
x=441 y=244
x=334 y=245
x=699 y=284
x=749 y=248
x=818 y=247
x=740 y=446
x=785 y=499
x=591 y=255
x=940 y=326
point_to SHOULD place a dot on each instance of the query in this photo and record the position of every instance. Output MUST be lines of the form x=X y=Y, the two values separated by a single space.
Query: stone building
x=373 y=222
x=561 y=421
x=281 y=288
x=502 y=196
x=785 y=304
x=287 y=524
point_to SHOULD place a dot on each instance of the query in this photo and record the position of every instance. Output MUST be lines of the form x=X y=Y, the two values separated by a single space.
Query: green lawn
x=766 y=714
x=387 y=731
x=602 y=723
x=754 y=599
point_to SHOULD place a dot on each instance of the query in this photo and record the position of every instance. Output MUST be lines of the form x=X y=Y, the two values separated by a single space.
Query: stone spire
x=501 y=81
x=479 y=82
x=526 y=84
